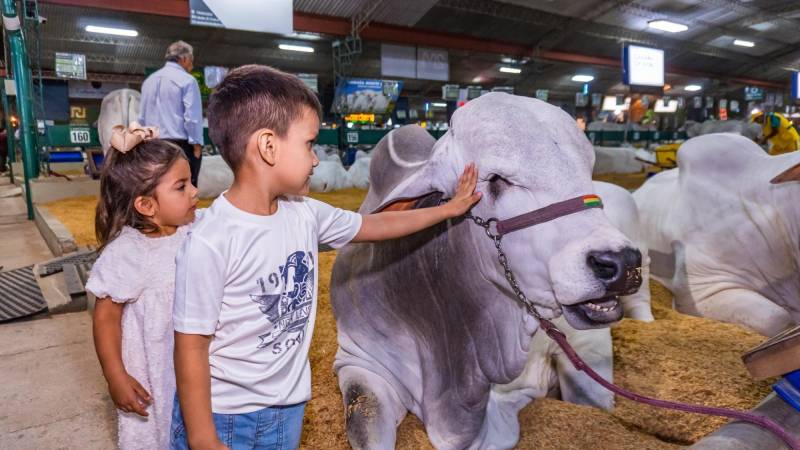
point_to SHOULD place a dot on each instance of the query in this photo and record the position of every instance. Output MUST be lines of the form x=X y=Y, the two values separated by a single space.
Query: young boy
x=246 y=284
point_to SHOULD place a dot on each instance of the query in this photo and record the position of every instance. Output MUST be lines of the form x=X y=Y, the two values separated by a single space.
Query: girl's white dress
x=140 y=271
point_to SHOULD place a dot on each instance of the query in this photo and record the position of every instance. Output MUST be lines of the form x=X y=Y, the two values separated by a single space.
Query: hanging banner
x=367 y=96
x=264 y=16
x=433 y=64
x=398 y=61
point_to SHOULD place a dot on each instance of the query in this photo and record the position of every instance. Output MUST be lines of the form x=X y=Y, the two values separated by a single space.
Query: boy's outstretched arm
x=395 y=224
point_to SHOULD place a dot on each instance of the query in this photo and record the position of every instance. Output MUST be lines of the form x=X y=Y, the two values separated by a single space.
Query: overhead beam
x=340 y=26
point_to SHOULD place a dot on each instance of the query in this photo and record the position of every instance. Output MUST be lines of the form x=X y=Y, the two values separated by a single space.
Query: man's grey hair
x=178 y=50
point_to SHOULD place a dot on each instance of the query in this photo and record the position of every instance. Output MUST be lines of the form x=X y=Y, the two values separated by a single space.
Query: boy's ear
x=145 y=206
x=266 y=145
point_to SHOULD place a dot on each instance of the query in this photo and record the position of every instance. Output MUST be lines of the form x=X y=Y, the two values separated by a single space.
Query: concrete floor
x=52 y=392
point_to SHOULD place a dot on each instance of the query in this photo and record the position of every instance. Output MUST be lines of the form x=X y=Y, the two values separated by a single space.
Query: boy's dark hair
x=252 y=97
x=125 y=177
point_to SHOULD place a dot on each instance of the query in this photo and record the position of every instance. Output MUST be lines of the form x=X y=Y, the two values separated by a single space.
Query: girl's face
x=175 y=198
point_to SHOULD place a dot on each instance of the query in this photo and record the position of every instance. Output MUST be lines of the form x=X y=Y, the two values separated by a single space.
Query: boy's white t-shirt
x=250 y=281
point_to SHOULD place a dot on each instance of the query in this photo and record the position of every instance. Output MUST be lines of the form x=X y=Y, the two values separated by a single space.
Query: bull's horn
x=791 y=174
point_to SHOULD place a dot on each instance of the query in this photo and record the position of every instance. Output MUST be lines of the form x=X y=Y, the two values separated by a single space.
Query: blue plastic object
x=788 y=388
x=62 y=157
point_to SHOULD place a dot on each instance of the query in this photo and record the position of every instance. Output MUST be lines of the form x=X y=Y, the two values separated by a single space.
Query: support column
x=22 y=78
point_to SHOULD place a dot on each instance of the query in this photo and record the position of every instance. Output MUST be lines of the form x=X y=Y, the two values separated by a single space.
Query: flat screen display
x=643 y=66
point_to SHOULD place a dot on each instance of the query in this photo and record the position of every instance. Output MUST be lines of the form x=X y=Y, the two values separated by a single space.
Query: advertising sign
x=367 y=96
x=265 y=16
x=753 y=93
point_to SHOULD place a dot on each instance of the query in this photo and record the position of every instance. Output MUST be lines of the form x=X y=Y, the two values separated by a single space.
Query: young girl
x=146 y=201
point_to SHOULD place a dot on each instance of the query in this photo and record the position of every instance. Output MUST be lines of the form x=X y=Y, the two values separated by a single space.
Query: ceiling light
x=296 y=48
x=582 y=78
x=666 y=25
x=743 y=43
x=304 y=36
x=114 y=31
x=439 y=105
x=510 y=70
x=692 y=87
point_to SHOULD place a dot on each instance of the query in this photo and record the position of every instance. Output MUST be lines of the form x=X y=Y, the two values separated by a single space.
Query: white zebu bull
x=120 y=107
x=722 y=238
x=428 y=323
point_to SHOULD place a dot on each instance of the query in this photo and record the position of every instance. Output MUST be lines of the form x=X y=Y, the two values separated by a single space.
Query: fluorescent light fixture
x=510 y=70
x=582 y=78
x=692 y=87
x=743 y=43
x=110 y=30
x=439 y=105
x=666 y=25
x=296 y=48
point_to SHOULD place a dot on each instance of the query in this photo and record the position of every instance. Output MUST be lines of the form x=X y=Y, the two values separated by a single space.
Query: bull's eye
x=497 y=184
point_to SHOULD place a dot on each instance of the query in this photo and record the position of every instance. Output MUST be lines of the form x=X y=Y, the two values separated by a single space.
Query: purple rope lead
x=762 y=421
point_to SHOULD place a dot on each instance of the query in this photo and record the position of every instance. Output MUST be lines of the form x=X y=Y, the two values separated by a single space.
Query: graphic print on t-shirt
x=286 y=299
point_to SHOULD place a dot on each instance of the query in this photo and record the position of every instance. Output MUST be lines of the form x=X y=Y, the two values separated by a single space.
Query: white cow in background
x=359 y=171
x=330 y=176
x=743 y=127
x=724 y=238
x=215 y=177
x=616 y=160
x=120 y=107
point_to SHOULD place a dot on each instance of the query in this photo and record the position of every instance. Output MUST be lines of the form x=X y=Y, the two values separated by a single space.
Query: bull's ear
x=791 y=174
x=425 y=201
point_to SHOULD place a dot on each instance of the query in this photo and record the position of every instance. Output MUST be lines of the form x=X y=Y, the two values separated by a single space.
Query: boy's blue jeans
x=272 y=428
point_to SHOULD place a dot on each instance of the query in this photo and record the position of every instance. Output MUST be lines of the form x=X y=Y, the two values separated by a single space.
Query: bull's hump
x=722 y=157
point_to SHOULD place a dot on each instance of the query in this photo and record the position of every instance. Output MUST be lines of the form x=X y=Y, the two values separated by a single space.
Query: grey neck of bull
x=497 y=321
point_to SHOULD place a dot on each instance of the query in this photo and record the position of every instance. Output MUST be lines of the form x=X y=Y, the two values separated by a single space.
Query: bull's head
x=530 y=154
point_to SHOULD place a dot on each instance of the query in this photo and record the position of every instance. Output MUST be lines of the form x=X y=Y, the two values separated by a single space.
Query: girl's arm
x=127 y=394
x=395 y=224
x=193 y=378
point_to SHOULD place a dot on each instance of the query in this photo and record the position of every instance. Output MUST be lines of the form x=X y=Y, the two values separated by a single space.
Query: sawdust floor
x=677 y=357
x=629 y=181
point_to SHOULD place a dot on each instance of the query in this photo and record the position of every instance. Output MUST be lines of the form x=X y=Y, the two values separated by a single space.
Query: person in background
x=171 y=101
x=778 y=130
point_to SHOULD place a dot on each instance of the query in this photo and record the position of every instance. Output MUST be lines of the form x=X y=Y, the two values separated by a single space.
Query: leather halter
x=547 y=213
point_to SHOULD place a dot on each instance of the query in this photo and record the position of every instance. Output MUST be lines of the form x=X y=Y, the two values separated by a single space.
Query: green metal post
x=12 y=157
x=22 y=77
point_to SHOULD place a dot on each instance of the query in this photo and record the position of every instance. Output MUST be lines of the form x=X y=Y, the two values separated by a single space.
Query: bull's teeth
x=596 y=307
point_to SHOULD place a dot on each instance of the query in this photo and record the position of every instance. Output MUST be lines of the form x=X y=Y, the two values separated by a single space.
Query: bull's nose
x=620 y=272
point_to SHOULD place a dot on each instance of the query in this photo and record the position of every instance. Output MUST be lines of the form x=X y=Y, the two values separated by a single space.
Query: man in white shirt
x=171 y=101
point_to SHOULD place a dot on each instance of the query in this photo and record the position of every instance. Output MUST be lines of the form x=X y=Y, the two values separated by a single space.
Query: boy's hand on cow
x=129 y=395
x=465 y=195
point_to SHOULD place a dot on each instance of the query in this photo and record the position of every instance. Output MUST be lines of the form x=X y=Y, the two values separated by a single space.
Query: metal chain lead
x=486 y=224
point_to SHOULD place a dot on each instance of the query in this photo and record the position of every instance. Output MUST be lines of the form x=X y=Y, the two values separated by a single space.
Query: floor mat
x=20 y=295
x=84 y=256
